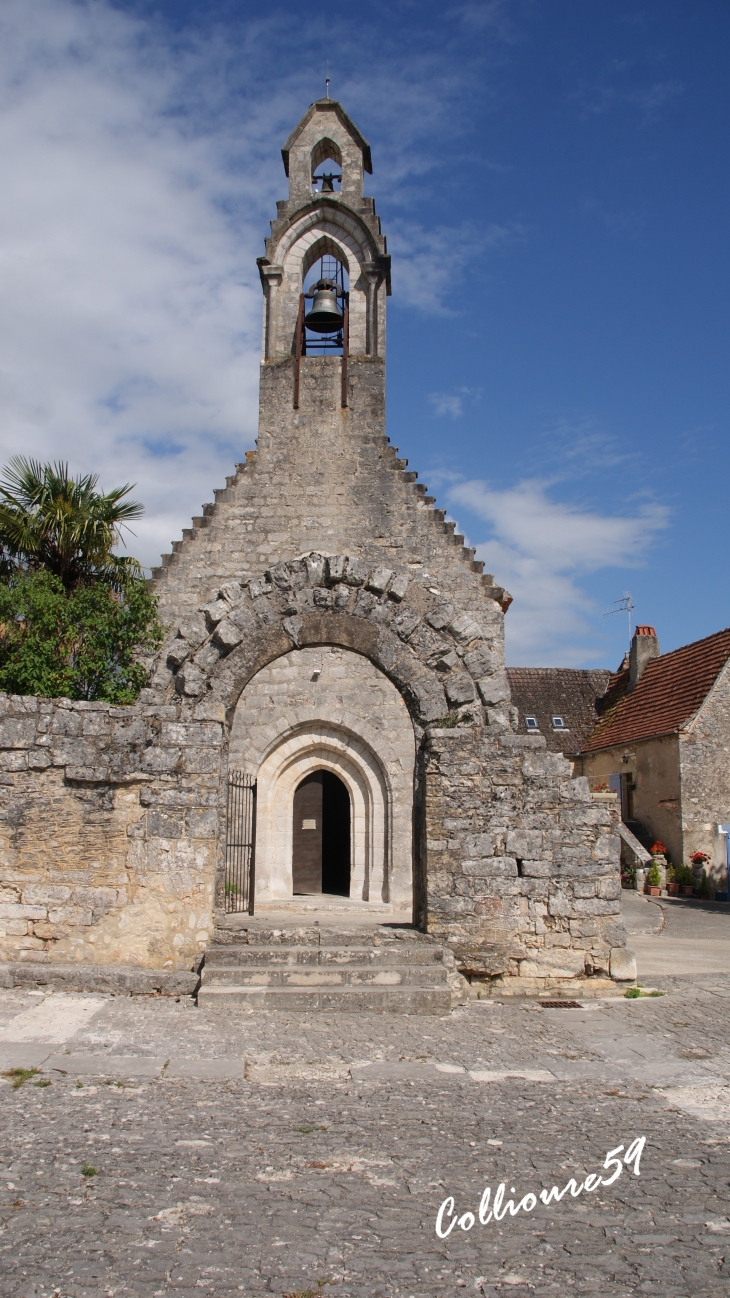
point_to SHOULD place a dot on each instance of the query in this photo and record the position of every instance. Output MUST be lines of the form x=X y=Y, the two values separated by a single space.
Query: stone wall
x=114 y=818
x=108 y=833
x=520 y=869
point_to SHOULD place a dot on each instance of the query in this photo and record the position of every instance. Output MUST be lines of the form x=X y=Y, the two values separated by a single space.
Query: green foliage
x=88 y=1169
x=20 y=1075
x=77 y=644
x=63 y=525
x=654 y=878
x=684 y=876
x=704 y=888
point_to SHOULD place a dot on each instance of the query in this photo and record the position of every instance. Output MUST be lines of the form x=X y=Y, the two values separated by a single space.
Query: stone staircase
x=374 y=970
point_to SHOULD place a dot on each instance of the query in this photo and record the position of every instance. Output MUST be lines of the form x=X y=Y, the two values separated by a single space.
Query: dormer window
x=531 y=723
x=558 y=723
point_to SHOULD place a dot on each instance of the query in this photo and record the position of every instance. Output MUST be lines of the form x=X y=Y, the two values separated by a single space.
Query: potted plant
x=683 y=875
x=653 y=882
x=628 y=877
x=672 y=881
x=704 y=888
x=700 y=860
x=659 y=858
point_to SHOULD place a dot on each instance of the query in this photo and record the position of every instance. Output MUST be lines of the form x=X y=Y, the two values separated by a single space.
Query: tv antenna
x=623 y=605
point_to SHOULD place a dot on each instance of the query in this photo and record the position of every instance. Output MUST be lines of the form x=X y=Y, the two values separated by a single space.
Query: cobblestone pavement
x=260 y=1153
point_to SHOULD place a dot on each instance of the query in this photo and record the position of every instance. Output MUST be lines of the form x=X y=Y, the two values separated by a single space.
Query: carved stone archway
x=330 y=709
x=446 y=662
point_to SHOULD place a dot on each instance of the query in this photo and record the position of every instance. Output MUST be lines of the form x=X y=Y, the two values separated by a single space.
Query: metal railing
x=240 y=877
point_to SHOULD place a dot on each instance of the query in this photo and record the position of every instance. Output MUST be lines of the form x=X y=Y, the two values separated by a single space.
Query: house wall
x=705 y=775
x=653 y=766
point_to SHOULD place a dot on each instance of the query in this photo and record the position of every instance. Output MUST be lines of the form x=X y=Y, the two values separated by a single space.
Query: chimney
x=644 y=647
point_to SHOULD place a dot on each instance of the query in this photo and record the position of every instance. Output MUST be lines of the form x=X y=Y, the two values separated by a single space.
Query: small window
x=559 y=724
x=531 y=723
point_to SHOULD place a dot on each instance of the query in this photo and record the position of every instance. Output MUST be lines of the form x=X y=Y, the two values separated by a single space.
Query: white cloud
x=452 y=403
x=606 y=95
x=140 y=170
x=429 y=263
x=130 y=317
x=539 y=550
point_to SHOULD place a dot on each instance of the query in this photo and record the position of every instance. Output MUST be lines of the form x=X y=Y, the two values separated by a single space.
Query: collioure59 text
x=496 y=1208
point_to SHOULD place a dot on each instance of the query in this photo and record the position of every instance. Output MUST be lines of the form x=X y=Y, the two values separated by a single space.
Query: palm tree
x=64 y=525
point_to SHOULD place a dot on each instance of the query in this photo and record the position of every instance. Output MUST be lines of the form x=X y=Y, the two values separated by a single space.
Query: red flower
x=699 y=858
x=658 y=849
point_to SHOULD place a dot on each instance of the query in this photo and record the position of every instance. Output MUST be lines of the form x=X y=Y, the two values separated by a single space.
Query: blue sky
x=552 y=177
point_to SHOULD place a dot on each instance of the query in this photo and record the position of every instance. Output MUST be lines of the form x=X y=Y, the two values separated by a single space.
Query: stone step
x=348 y=1000
x=326 y=904
x=324 y=976
x=308 y=956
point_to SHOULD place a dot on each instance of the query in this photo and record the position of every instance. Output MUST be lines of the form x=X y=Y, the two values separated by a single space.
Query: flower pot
x=687 y=892
x=651 y=891
x=672 y=889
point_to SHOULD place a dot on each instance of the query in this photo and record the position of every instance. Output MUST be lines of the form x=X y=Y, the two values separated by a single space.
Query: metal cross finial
x=327 y=82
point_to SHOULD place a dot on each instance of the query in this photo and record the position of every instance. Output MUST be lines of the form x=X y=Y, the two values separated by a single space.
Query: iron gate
x=240 y=843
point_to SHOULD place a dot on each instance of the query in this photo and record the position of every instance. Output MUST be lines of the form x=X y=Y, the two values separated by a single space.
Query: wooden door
x=307 y=836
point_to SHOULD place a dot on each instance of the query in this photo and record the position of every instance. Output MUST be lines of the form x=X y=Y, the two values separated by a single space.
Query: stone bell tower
x=324 y=614
x=324 y=476
x=328 y=723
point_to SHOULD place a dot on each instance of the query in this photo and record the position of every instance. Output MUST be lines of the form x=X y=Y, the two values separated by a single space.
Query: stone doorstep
x=354 y=1000
x=357 y=956
x=325 y=905
x=314 y=935
x=320 y=978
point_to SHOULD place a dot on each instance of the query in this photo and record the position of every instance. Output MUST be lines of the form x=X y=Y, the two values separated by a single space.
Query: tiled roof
x=545 y=692
x=669 y=692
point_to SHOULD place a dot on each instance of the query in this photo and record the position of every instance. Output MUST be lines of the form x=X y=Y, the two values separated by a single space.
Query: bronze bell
x=325 y=316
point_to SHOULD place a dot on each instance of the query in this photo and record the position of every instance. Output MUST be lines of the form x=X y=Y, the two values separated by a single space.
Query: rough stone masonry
x=114 y=819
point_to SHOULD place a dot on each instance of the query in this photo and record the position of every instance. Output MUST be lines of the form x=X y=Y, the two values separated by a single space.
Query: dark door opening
x=321 y=838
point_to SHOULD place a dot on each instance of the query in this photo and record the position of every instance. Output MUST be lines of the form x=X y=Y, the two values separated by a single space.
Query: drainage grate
x=561 y=1005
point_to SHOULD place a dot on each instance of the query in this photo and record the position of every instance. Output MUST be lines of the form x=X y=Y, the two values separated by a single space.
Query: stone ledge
x=120 y=980
x=558 y=988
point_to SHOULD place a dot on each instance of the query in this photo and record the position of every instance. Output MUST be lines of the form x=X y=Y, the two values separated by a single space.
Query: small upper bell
x=325 y=316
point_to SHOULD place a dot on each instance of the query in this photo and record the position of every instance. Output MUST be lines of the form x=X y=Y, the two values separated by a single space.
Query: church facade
x=333 y=681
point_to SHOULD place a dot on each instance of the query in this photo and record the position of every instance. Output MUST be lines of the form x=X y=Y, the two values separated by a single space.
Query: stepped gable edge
x=188 y=564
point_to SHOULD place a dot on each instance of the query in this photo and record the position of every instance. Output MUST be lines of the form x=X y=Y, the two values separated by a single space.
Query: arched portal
x=329 y=713
x=321 y=848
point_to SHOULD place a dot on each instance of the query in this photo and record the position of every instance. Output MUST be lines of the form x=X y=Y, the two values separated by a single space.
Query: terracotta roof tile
x=544 y=692
x=667 y=695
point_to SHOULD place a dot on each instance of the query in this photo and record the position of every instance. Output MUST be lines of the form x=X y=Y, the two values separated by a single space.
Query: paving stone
x=312 y=1147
